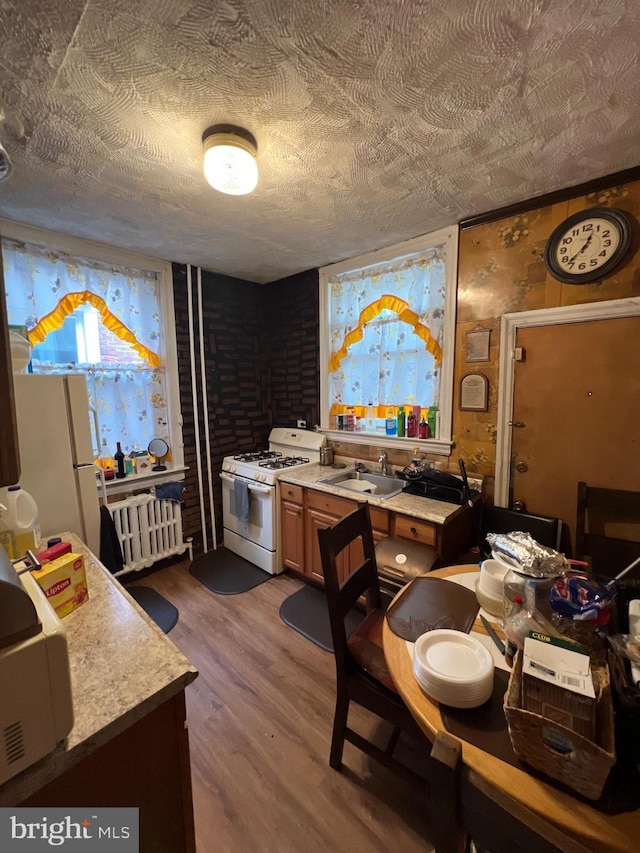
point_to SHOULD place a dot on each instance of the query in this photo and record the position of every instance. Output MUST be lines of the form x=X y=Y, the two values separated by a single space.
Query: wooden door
x=317 y=519
x=578 y=395
x=292 y=521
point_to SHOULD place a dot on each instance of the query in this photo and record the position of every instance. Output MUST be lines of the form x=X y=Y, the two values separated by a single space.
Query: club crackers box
x=64 y=582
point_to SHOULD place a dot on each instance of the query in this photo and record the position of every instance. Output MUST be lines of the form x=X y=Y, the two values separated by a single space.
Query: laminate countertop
x=416 y=506
x=122 y=668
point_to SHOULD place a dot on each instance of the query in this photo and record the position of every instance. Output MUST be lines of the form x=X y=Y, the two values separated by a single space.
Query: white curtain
x=398 y=308
x=43 y=286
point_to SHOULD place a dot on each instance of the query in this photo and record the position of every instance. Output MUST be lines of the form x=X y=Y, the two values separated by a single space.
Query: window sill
x=428 y=445
x=133 y=482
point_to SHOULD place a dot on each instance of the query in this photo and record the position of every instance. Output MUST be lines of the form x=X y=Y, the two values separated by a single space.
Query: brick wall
x=261 y=361
x=291 y=330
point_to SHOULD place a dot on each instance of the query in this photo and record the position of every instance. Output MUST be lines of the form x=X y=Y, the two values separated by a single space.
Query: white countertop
x=416 y=506
x=122 y=668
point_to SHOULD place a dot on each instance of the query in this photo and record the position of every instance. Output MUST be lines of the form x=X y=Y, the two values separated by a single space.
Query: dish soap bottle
x=432 y=420
x=412 y=425
x=390 y=423
x=423 y=428
x=401 y=422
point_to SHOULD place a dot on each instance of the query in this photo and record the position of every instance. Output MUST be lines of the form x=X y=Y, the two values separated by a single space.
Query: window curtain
x=386 y=327
x=43 y=287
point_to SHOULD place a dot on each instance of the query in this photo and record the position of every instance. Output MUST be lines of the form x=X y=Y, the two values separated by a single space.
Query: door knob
x=515 y=424
x=519 y=506
x=522 y=467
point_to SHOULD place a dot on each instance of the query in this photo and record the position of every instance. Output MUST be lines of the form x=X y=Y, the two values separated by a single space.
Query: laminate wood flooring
x=260 y=716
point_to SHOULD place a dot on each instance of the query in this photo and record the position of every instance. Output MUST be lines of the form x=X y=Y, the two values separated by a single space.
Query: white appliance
x=36 y=711
x=57 y=453
x=258 y=538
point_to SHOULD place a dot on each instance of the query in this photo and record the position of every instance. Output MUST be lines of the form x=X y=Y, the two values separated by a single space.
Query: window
x=111 y=320
x=388 y=321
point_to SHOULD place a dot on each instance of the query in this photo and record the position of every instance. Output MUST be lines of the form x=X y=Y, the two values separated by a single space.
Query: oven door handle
x=253 y=487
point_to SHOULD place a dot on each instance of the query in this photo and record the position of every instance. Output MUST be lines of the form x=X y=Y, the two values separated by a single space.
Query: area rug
x=307 y=613
x=225 y=573
x=163 y=613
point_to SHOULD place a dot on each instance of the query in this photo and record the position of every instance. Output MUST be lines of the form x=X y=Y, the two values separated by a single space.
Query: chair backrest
x=608 y=529
x=546 y=531
x=341 y=596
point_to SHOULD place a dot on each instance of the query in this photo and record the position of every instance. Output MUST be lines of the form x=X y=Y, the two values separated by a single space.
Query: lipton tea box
x=64 y=582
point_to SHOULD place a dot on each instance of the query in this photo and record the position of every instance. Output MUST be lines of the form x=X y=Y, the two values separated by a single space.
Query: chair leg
x=339 y=729
x=393 y=740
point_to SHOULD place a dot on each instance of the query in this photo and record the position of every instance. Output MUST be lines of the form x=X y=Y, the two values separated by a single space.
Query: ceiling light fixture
x=230 y=159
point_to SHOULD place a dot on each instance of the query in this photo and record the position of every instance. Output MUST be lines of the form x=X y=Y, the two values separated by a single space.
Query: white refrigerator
x=57 y=453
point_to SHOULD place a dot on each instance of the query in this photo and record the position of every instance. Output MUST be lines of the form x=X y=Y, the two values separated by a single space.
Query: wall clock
x=589 y=245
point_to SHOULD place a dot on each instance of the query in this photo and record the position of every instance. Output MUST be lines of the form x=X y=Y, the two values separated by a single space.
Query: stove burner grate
x=283 y=462
x=257 y=456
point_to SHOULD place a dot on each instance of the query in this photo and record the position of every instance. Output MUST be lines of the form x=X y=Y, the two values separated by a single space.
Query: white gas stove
x=250 y=502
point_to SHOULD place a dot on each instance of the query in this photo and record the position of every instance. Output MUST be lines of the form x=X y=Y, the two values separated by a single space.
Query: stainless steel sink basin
x=365 y=483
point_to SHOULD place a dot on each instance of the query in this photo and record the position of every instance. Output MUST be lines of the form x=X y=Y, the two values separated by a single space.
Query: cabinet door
x=313 y=564
x=9 y=453
x=292 y=521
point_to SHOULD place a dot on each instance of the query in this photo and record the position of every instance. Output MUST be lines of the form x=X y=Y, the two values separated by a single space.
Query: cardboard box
x=557 y=683
x=64 y=582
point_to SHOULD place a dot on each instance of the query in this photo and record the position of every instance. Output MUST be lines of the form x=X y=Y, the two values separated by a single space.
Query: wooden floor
x=260 y=716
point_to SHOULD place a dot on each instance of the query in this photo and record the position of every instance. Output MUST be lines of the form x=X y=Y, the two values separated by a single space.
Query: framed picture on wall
x=474 y=393
x=477 y=345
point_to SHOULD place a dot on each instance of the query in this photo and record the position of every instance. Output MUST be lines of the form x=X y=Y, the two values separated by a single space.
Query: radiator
x=148 y=530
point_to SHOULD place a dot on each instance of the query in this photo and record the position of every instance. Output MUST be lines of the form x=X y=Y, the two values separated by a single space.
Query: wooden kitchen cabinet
x=9 y=452
x=304 y=510
x=292 y=527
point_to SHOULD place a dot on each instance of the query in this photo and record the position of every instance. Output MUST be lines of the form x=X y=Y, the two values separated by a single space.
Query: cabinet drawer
x=406 y=527
x=291 y=493
x=330 y=504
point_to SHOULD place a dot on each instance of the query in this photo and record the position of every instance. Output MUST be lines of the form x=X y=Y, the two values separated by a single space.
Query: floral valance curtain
x=386 y=327
x=43 y=287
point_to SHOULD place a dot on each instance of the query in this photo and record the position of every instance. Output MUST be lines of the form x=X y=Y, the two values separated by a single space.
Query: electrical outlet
x=302 y=424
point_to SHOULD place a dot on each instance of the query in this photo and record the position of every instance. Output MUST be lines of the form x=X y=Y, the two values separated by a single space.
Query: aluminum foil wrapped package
x=527 y=556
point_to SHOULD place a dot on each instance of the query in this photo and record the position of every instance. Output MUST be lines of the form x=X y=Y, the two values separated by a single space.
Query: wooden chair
x=362 y=674
x=608 y=529
x=496 y=519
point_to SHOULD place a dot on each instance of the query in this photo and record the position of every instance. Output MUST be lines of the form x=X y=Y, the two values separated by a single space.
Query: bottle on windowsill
x=423 y=428
x=119 y=462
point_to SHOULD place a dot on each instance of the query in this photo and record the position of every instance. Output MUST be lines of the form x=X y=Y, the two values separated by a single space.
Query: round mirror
x=158 y=448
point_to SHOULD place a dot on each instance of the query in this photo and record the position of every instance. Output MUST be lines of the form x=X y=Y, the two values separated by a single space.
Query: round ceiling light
x=230 y=159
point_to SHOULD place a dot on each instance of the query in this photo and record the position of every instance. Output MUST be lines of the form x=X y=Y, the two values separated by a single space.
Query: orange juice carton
x=64 y=582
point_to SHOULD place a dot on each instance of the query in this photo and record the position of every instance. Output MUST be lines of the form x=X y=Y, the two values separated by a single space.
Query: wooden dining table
x=551 y=814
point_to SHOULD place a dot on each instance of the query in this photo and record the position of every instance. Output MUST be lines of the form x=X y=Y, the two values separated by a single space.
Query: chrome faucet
x=384 y=466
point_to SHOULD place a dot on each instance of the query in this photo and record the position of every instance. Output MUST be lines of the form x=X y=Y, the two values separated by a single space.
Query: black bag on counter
x=434 y=484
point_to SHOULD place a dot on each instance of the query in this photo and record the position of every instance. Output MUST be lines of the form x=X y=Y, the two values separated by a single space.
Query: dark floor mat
x=225 y=573
x=306 y=612
x=163 y=613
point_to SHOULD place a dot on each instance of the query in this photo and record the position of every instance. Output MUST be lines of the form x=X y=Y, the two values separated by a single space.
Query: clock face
x=588 y=245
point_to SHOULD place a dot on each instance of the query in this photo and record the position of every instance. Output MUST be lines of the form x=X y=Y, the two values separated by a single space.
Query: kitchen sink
x=365 y=483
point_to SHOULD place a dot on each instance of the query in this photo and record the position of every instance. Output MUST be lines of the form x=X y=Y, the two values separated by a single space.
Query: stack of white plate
x=453 y=668
x=490 y=586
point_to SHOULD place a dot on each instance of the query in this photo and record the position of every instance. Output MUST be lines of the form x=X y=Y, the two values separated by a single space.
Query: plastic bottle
x=412 y=426
x=22 y=516
x=371 y=418
x=432 y=420
x=106 y=461
x=390 y=423
x=401 y=422
x=423 y=429
x=7 y=539
x=118 y=458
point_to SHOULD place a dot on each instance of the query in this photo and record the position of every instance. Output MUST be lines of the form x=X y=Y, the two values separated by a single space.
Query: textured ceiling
x=376 y=120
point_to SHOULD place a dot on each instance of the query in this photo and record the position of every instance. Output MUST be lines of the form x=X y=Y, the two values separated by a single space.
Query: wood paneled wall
x=501 y=270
